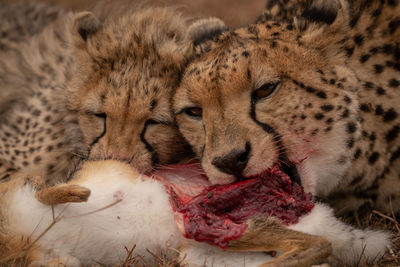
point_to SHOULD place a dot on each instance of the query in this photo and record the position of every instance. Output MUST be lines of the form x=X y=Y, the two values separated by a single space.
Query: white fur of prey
x=126 y=209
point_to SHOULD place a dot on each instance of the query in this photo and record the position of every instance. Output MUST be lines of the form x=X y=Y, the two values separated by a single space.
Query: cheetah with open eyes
x=317 y=93
x=83 y=89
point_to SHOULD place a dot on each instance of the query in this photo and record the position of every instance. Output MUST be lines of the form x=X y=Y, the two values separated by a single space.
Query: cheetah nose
x=234 y=162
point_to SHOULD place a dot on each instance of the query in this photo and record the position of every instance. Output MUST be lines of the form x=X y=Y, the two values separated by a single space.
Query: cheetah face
x=116 y=125
x=255 y=100
x=121 y=93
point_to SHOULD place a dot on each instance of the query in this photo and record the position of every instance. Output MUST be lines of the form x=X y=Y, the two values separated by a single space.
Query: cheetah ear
x=202 y=31
x=319 y=12
x=85 y=24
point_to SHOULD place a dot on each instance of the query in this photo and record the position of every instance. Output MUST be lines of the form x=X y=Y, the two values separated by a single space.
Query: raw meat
x=217 y=214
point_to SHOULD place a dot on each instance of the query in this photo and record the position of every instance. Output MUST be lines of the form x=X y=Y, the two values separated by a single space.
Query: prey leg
x=63 y=193
x=268 y=234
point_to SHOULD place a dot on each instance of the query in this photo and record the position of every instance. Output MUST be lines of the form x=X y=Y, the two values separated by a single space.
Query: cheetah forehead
x=132 y=62
x=151 y=33
x=238 y=62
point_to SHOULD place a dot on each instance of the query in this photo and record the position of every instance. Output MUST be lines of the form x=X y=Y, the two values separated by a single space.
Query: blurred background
x=234 y=12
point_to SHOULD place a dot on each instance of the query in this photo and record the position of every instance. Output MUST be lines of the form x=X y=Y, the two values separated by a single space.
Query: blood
x=217 y=214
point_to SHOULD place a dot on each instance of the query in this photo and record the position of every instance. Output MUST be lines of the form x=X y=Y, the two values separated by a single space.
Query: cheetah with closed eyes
x=80 y=89
x=313 y=89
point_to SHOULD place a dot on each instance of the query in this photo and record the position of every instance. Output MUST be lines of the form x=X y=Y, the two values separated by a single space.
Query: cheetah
x=83 y=89
x=314 y=90
x=19 y=23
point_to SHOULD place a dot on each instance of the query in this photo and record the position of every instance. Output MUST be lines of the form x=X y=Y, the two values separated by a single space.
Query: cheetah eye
x=100 y=115
x=264 y=91
x=153 y=122
x=194 y=112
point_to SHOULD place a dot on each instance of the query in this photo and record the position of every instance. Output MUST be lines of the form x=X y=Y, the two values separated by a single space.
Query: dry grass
x=13 y=254
x=165 y=258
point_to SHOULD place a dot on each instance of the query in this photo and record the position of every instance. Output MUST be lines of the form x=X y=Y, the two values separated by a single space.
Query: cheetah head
x=269 y=94
x=126 y=72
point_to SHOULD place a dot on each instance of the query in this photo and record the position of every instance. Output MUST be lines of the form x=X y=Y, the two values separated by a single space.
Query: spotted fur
x=85 y=89
x=314 y=87
x=21 y=21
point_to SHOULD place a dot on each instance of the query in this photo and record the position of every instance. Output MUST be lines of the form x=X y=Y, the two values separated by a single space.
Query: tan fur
x=334 y=114
x=142 y=69
x=85 y=89
x=63 y=194
x=11 y=247
x=268 y=234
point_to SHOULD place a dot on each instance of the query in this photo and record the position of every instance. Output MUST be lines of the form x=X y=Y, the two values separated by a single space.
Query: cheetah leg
x=299 y=249
x=63 y=193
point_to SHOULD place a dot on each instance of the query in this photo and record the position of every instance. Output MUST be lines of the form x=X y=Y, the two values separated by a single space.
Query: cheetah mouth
x=218 y=214
x=289 y=168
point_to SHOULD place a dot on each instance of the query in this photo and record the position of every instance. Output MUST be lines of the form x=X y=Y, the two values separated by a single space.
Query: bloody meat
x=217 y=214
